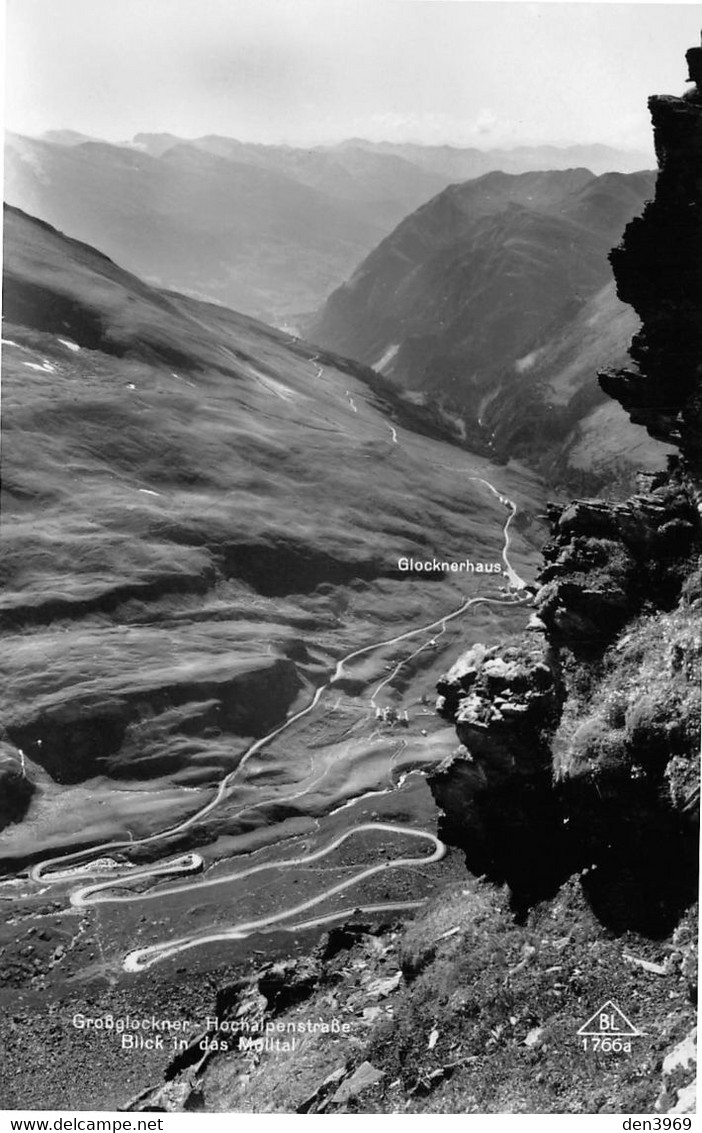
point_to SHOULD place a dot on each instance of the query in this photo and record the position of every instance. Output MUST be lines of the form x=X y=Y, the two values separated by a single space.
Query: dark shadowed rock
x=605 y=560
x=658 y=269
x=16 y=789
x=495 y=792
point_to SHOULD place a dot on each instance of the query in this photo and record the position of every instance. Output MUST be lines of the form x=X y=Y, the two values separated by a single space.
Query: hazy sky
x=309 y=71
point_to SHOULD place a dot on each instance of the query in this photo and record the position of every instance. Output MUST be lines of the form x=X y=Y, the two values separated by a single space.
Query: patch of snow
x=386 y=358
x=451 y=419
x=272 y=386
x=522 y=365
x=45 y=368
x=486 y=401
x=148 y=492
x=71 y=345
x=130 y=385
x=9 y=342
x=414 y=397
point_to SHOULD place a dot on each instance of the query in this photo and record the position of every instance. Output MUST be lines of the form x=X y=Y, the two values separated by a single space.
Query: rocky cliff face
x=579 y=750
x=658 y=269
x=581 y=755
x=605 y=562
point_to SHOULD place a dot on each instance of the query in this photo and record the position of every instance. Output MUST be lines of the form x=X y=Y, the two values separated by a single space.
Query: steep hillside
x=494 y=301
x=550 y=411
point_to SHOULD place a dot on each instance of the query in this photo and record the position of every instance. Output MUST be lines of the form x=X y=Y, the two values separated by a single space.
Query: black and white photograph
x=351 y=560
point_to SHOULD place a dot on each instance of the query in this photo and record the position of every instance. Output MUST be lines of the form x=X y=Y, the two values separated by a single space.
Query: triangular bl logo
x=609 y=1020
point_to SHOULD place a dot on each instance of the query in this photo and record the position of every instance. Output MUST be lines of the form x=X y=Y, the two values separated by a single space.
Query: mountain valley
x=494 y=302
x=268 y=230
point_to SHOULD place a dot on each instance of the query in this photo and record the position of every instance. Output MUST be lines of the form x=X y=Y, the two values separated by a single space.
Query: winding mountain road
x=142 y=958
x=66 y=867
x=515 y=581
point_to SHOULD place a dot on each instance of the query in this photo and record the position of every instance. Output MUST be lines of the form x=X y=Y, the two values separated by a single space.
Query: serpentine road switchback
x=78 y=864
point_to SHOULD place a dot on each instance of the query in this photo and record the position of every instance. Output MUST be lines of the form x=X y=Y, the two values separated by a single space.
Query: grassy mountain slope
x=199 y=514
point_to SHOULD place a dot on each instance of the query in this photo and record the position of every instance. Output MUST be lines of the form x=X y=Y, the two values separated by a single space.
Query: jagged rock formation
x=495 y=791
x=524 y=687
x=605 y=561
x=626 y=769
x=604 y=777
x=580 y=754
x=658 y=269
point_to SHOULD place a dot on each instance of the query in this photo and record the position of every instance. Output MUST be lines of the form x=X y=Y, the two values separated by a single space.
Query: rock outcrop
x=462 y=1010
x=606 y=561
x=579 y=752
x=658 y=269
x=513 y=691
x=495 y=791
x=587 y=760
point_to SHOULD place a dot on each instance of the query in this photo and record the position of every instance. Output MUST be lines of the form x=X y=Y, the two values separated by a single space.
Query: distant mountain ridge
x=453 y=161
x=462 y=163
x=269 y=230
x=222 y=230
x=352 y=173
